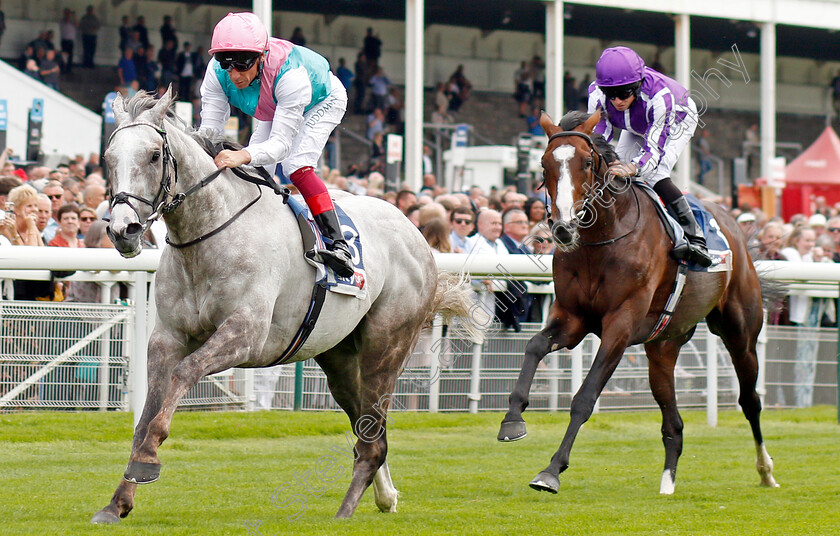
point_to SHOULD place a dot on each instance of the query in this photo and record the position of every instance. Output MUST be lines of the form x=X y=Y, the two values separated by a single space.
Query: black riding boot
x=696 y=251
x=337 y=256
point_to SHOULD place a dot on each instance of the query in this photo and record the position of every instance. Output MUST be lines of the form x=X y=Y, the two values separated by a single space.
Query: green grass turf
x=220 y=469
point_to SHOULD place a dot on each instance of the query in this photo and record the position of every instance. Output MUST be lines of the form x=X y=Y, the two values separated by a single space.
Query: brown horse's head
x=573 y=161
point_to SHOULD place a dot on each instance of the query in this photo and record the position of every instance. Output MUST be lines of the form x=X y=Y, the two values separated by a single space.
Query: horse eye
x=588 y=163
x=155 y=156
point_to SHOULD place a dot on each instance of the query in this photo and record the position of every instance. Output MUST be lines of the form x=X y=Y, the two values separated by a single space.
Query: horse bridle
x=161 y=207
x=159 y=203
x=594 y=190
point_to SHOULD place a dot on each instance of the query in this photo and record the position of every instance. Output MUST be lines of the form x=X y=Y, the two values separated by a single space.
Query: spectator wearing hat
x=749 y=226
x=817 y=222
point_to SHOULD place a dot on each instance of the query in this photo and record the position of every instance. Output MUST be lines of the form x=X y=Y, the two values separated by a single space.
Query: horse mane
x=211 y=141
x=574 y=119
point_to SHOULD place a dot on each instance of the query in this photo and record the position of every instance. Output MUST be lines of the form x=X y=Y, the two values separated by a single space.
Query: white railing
x=480 y=366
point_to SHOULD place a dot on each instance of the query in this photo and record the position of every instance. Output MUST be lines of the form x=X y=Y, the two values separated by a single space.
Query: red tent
x=815 y=172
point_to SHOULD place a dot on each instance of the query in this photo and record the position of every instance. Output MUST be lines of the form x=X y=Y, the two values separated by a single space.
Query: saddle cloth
x=716 y=242
x=313 y=241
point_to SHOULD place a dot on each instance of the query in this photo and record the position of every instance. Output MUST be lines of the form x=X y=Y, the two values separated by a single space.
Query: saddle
x=716 y=242
x=313 y=241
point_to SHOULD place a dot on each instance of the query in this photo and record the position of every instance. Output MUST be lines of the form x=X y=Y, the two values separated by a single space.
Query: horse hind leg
x=662 y=357
x=738 y=327
x=362 y=383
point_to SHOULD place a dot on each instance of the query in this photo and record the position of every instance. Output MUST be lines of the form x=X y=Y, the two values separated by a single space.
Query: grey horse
x=237 y=297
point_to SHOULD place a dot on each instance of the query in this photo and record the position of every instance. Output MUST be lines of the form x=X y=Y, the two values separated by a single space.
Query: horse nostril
x=562 y=233
x=133 y=230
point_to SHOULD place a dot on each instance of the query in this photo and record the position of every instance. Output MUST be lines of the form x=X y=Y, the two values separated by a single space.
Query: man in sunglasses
x=297 y=102
x=657 y=119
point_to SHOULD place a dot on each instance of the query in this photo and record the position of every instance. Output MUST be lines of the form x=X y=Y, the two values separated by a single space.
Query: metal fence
x=63 y=356
x=80 y=356
x=552 y=389
x=76 y=356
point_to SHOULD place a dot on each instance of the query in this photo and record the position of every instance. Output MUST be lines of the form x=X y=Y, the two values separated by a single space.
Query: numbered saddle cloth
x=313 y=242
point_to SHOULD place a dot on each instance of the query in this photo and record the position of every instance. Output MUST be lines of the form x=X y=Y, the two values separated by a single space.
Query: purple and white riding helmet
x=619 y=66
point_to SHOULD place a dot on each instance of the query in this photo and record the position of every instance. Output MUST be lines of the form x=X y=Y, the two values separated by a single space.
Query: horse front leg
x=164 y=353
x=562 y=331
x=236 y=341
x=606 y=360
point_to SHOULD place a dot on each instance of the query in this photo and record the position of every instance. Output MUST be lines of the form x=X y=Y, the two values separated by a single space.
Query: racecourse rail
x=107 y=268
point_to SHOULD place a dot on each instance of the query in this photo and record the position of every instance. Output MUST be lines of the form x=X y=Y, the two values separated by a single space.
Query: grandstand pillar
x=768 y=97
x=554 y=59
x=682 y=57
x=262 y=9
x=554 y=87
x=414 y=24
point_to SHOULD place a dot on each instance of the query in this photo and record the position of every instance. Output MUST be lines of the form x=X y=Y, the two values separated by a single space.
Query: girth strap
x=319 y=292
x=671 y=304
x=319 y=295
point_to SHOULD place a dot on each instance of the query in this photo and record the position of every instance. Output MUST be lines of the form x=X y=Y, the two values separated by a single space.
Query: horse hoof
x=104 y=517
x=545 y=482
x=141 y=472
x=512 y=431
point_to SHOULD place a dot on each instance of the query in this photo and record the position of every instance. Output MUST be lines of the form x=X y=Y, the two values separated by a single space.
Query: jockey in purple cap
x=657 y=119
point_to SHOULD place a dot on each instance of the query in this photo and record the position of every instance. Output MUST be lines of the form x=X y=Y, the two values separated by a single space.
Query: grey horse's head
x=137 y=160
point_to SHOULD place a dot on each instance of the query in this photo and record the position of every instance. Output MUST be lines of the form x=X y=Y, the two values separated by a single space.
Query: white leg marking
x=666 y=487
x=384 y=493
x=764 y=465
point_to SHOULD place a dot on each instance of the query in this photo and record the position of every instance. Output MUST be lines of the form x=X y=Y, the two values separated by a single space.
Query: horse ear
x=118 y=106
x=547 y=124
x=590 y=123
x=158 y=113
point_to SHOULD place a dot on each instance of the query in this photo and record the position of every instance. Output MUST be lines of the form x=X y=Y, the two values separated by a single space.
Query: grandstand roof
x=608 y=24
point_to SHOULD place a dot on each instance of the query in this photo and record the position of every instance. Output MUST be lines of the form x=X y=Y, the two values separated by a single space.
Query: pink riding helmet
x=619 y=66
x=243 y=32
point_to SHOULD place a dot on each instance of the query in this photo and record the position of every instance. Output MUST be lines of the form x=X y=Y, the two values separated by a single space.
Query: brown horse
x=612 y=277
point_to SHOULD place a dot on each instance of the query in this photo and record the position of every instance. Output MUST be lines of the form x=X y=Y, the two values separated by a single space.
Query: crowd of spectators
x=140 y=66
x=61 y=207
x=64 y=207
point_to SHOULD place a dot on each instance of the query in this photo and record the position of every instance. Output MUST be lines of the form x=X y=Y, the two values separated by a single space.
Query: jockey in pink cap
x=657 y=119
x=297 y=102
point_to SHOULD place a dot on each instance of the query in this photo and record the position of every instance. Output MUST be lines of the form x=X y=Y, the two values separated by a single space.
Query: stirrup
x=698 y=254
x=339 y=259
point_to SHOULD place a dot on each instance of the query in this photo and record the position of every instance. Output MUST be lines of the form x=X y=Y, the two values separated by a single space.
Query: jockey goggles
x=620 y=92
x=239 y=61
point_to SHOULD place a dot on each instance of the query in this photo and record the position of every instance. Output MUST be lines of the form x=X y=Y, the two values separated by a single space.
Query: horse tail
x=453 y=301
x=773 y=291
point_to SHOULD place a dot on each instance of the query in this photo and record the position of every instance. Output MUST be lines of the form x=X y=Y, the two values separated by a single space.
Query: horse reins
x=595 y=191
x=161 y=207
